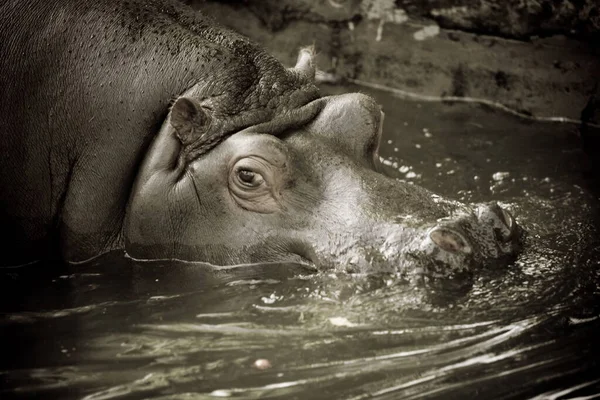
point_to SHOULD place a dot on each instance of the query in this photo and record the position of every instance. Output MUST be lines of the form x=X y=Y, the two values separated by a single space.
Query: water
x=117 y=329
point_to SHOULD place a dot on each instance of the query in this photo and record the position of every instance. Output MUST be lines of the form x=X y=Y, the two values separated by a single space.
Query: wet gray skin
x=250 y=164
x=309 y=195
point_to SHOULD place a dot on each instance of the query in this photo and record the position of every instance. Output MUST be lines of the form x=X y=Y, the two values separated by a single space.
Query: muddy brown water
x=117 y=329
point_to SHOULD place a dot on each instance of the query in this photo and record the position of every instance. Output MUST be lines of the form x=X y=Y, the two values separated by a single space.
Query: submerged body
x=249 y=164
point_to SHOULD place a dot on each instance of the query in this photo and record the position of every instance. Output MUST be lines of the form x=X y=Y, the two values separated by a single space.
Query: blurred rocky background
x=539 y=57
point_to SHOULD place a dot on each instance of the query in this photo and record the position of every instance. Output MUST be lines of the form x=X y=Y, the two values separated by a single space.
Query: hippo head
x=309 y=194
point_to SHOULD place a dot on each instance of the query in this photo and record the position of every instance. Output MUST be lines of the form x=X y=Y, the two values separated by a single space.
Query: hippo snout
x=468 y=241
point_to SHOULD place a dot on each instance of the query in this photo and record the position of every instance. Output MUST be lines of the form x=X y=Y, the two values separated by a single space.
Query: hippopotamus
x=144 y=126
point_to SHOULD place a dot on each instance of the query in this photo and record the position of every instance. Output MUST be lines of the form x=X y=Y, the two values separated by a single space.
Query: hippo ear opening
x=189 y=120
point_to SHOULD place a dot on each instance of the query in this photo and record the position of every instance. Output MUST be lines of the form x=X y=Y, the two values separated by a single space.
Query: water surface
x=117 y=329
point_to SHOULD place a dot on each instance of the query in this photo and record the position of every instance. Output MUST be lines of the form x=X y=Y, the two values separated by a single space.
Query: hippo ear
x=305 y=66
x=349 y=114
x=189 y=120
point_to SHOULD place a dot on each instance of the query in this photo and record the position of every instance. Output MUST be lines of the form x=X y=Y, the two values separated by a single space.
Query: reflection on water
x=117 y=329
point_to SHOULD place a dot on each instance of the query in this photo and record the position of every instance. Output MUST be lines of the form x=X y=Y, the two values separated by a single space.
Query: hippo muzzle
x=467 y=241
x=437 y=239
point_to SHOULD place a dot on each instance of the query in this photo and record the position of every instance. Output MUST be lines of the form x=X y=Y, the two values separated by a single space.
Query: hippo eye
x=254 y=183
x=251 y=173
x=249 y=178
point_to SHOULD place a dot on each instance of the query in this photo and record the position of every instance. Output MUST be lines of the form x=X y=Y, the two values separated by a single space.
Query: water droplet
x=262 y=363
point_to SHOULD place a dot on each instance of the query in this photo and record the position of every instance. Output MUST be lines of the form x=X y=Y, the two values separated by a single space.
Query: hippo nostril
x=449 y=240
x=505 y=233
x=501 y=221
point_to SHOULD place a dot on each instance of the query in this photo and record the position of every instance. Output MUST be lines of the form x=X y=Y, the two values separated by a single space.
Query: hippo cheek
x=278 y=247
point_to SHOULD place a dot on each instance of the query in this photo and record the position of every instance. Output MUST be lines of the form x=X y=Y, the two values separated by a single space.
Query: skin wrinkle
x=176 y=211
x=287 y=119
x=196 y=190
x=251 y=88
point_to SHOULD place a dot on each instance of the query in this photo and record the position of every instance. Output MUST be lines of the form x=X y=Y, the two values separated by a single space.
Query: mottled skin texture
x=142 y=126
